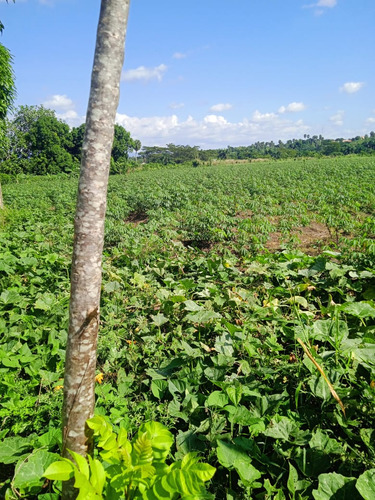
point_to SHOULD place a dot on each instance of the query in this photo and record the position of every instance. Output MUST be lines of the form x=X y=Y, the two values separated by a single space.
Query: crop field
x=238 y=309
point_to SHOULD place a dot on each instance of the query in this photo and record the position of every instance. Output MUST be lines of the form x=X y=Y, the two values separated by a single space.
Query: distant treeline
x=294 y=148
x=37 y=142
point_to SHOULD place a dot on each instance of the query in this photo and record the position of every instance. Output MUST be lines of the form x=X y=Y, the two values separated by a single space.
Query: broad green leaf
x=29 y=473
x=190 y=305
x=247 y=472
x=235 y=393
x=160 y=437
x=334 y=486
x=98 y=475
x=12 y=448
x=299 y=300
x=366 y=484
x=358 y=309
x=10 y=297
x=60 y=471
x=159 y=319
x=158 y=387
x=281 y=428
x=81 y=462
x=228 y=453
x=365 y=354
x=217 y=398
x=202 y=317
x=321 y=441
x=45 y=302
x=112 y=286
x=204 y=472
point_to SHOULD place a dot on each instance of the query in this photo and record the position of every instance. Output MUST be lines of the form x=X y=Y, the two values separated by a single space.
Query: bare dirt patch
x=311 y=238
x=137 y=218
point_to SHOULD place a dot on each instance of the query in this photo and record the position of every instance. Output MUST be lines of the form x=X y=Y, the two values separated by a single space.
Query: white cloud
x=59 y=101
x=351 y=87
x=370 y=120
x=179 y=55
x=212 y=130
x=261 y=117
x=338 y=118
x=326 y=3
x=215 y=119
x=143 y=73
x=321 y=5
x=218 y=108
x=293 y=107
x=176 y=105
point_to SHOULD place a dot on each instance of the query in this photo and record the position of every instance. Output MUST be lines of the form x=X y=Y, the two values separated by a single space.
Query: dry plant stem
x=86 y=275
x=321 y=371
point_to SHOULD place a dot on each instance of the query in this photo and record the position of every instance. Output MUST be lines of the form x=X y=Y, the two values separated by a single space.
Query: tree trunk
x=86 y=274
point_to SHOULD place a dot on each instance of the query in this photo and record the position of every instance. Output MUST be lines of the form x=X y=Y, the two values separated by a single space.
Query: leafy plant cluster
x=204 y=321
x=136 y=469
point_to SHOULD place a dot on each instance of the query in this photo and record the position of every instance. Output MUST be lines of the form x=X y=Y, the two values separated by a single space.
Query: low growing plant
x=134 y=469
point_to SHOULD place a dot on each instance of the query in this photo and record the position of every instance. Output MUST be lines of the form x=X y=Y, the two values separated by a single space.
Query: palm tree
x=137 y=146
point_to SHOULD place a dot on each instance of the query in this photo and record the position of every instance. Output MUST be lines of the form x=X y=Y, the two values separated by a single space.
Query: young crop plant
x=134 y=469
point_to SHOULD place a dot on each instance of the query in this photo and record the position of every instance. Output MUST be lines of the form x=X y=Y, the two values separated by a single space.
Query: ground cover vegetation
x=237 y=311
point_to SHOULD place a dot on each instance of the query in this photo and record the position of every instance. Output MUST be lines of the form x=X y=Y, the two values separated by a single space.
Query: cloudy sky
x=210 y=73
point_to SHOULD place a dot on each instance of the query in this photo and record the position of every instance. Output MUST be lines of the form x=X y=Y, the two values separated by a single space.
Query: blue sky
x=210 y=73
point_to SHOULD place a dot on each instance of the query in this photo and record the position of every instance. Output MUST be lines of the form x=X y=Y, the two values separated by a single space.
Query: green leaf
x=235 y=393
x=292 y=480
x=228 y=453
x=81 y=462
x=358 y=309
x=299 y=300
x=366 y=484
x=160 y=437
x=321 y=441
x=98 y=475
x=190 y=305
x=334 y=486
x=60 y=471
x=158 y=387
x=12 y=448
x=10 y=297
x=217 y=398
x=202 y=317
x=247 y=472
x=29 y=473
x=159 y=319
x=44 y=302
x=281 y=428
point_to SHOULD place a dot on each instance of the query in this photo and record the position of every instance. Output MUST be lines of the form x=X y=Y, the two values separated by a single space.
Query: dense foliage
x=39 y=143
x=213 y=276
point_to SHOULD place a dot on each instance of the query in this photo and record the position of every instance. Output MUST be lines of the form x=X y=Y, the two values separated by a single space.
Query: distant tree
x=38 y=143
x=137 y=145
x=77 y=135
x=7 y=96
x=122 y=145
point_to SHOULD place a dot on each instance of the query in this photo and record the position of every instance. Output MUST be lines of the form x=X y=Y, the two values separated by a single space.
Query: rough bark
x=86 y=275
